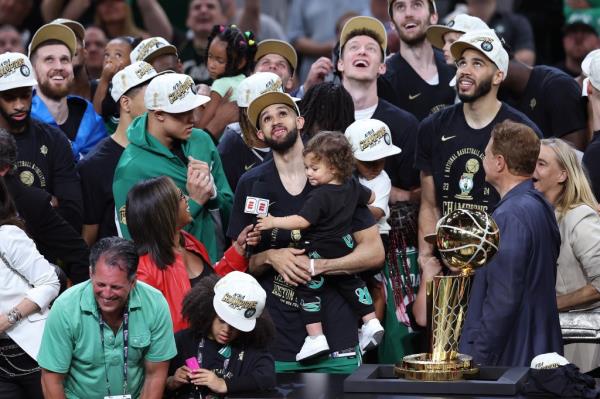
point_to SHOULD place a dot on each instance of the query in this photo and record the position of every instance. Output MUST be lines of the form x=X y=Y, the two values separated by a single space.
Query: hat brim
x=170 y=49
x=29 y=82
x=364 y=23
x=579 y=26
x=238 y=323
x=274 y=46
x=264 y=100
x=75 y=26
x=435 y=35
x=369 y=156
x=59 y=32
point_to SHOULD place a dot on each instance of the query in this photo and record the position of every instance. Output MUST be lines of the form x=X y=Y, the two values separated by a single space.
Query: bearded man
x=51 y=51
x=451 y=143
x=417 y=76
x=44 y=158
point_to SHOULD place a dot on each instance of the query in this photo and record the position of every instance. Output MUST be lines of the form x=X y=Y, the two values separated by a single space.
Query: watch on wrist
x=14 y=316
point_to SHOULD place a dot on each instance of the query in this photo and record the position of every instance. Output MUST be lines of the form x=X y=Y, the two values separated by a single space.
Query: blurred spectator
x=547 y=27
x=202 y=16
x=515 y=29
x=583 y=10
x=379 y=10
x=591 y=89
x=310 y=28
x=251 y=18
x=95 y=41
x=52 y=48
x=114 y=17
x=24 y=15
x=277 y=9
x=579 y=39
x=10 y=40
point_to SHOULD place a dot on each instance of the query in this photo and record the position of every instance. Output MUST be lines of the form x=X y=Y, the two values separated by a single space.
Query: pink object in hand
x=192 y=363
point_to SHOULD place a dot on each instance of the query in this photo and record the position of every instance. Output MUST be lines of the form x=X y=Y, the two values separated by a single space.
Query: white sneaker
x=370 y=335
x=313 y=347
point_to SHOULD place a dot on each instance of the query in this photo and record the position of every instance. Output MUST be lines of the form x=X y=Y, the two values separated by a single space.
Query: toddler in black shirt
x=327 y=217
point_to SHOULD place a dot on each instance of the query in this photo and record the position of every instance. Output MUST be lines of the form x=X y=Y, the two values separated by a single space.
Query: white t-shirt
x=381 y=186
x=366 y=113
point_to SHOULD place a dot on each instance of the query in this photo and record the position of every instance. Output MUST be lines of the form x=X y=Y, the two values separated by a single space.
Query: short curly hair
x=334 y=149
x=198 y=310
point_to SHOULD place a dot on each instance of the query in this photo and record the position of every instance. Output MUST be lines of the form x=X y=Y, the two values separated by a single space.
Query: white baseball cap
x=255 y=85
x=151 y=48
x=173 y=93
x=486 y=42
x=586 y=70
x=461 y=23
x=15 y=71
x=239 y=300
x=131 y=76
x=593 y=74
x=371 y=140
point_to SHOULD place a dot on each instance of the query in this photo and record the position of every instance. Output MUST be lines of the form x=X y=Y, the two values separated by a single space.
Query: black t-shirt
x=563 y=67
x=552 y=99
x=591 y=161
x=339 y=322
x=515 y=29
x=244 y=369
x=194 y=63
x=45 y=160
x=53 y=236
x=237 y=158
x=97 y=170
x=77 y=107
x=404 y=88
x=453 y=153
x=403 y=126
x=329 y=209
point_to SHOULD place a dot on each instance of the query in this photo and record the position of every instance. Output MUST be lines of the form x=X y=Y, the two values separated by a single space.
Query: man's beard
x=482 y=89
x=415 y=40
x=52 y=92
x=285 y=144
x=13 y=125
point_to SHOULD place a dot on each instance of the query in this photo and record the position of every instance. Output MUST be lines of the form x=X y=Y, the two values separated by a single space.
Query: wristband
x=312 y=267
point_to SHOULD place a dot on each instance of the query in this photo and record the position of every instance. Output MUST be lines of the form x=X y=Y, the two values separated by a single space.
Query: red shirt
x=174 y=282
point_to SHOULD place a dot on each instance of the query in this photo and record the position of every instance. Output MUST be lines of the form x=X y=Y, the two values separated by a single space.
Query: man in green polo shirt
x=108 y=336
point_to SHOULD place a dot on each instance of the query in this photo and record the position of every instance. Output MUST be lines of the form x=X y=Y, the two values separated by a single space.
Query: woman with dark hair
x=224 y=350
x=28 y=283
x=171 y=259
x=326 y=106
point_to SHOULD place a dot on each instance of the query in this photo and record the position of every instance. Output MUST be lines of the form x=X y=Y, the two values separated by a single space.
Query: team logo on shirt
x=487 y=45
x=532 y=103
x=44 y=150
x=26 y=177
x=295 y=235
x=466 y=180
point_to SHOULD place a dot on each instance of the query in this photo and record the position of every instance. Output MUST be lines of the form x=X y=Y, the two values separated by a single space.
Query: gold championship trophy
x=466 y=239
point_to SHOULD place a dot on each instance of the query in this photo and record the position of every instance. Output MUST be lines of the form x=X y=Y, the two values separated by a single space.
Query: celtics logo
x=466 y=180
x=26 y=178
x=25 y=71
x=387 y=138
x=450 y=23
x=295 y=235
x=249 y=313
x=487 y=46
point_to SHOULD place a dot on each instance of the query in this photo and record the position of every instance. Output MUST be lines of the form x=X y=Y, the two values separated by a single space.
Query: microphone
x=255 y=206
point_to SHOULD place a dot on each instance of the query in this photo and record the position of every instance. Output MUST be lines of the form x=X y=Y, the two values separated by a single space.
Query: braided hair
x=326 y=106
x=241 y=46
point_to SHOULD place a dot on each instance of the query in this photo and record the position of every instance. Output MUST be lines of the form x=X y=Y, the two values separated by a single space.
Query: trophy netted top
x=467 y=238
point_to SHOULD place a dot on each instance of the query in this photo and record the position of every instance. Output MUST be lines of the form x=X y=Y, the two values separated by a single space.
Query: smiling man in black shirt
x=451 y=143
x=280 y=267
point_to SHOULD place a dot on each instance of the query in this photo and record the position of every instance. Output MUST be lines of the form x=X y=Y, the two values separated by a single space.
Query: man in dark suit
x=512 y=314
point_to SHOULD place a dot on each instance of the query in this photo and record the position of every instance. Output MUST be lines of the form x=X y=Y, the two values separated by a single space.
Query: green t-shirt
x=71 y=342
x=221 y=85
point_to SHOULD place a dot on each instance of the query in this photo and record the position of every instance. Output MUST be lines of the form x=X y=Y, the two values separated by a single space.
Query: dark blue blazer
x=512 y=315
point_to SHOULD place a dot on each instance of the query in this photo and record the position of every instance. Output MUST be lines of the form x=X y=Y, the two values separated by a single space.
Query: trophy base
x=420 y=367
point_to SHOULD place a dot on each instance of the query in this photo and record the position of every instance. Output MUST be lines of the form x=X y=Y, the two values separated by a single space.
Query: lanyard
x=125 y=348
x=225 y=351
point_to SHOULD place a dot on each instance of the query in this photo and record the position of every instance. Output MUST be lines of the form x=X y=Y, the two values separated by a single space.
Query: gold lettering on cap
x=272 y=85
x=372 y=138
x=236 y=301
x=146 y=47
x=180 y=90
x=143 y=70
x=9 y=66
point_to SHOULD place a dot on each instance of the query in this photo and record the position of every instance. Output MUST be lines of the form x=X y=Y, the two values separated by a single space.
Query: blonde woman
x=561 y=178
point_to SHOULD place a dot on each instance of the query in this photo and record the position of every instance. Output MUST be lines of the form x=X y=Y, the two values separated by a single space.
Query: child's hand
x=180 y=378
x=209 y=379
x=265 y=222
